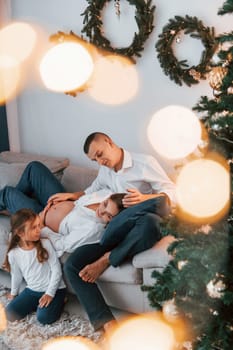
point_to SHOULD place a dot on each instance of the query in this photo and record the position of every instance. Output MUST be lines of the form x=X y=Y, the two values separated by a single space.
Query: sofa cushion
x=147 y=275
x=55 y=164
x=125 y=273
x=125 y=221
x=12 y=165
x=77 y=178
x=157 y=256
x=10 y=174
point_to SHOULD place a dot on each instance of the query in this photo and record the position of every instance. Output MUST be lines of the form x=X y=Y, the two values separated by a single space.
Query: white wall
x=57 y=124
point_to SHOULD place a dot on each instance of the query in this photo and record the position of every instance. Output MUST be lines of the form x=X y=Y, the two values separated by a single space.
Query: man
x=138 y=174
x=144 y=180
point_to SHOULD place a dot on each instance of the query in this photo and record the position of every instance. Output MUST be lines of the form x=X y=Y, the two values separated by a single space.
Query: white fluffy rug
x=28 y=334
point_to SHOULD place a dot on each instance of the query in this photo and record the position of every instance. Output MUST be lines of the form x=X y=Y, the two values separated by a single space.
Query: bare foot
x=91 y=272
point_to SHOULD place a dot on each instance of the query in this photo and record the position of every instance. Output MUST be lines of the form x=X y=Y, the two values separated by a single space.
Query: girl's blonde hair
x=19 y=220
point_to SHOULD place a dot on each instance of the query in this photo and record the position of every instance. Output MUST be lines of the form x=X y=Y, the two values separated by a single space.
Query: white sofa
x=121 y=286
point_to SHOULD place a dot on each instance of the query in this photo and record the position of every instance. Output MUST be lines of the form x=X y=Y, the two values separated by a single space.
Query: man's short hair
x=92 y=137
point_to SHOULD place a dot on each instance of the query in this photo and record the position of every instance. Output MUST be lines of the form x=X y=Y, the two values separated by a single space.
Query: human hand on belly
x=55 y=213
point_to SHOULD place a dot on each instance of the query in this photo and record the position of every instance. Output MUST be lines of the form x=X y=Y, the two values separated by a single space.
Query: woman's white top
x=80 y=226
x=40 y=277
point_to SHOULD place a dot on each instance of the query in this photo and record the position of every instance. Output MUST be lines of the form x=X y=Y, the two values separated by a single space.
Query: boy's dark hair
x=92 y=137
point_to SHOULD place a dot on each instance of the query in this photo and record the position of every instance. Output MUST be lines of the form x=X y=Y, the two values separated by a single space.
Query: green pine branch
x=226 y=8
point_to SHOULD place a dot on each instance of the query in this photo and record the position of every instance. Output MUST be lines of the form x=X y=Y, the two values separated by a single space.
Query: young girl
x=34 y=260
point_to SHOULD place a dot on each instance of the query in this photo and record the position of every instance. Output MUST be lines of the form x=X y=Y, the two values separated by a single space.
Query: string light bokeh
x=147 y=332
x=13 y=52
x=115 y=80
x=71 y=343
x=174 y=132
x=66 y=67
x=3 y=320
x=203 y=189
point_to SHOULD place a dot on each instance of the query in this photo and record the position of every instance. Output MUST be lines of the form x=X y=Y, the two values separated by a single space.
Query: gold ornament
x=195 y=74
x=229 y=57
x=216 y=76
x=217 y=93
x=170 y=311
x=215 y=288
x=181 y=264
x=187 y=345
x=230 y=90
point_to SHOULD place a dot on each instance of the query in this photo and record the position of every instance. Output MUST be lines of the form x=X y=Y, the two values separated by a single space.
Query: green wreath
x=144 y=17
x=179 y=70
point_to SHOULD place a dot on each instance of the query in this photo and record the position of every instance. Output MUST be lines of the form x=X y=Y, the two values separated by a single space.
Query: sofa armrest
x=55 y=164
x=157 y=256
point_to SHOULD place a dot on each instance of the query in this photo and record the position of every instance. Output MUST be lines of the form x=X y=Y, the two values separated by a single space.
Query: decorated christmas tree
x=217 y=112
x=197 y=284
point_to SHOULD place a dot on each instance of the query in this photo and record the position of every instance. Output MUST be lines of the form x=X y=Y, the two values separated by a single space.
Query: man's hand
x=61 y=197
x=133 y=197
x=45 y=300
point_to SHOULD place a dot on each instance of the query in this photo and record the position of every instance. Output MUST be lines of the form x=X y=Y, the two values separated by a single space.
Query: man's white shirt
x=138 y=171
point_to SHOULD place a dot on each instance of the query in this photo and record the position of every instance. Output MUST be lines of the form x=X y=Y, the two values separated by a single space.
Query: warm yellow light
x=174 y=132
x=70 y=343
x=17 y=40
x=3 y=321
x=66 y=67
x=142 y=332
x=203 y=188
x=115 y=80
x=9 y=77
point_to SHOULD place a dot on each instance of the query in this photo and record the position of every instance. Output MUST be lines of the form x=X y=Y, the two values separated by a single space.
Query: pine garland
x=226 y=8
x=179 y=71
x=93 y=27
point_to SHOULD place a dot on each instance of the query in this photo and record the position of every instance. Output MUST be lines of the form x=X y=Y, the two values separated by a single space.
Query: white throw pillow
x=10 y=173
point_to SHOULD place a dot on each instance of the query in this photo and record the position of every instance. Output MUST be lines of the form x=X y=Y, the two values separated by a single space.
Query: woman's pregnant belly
x=56 y=214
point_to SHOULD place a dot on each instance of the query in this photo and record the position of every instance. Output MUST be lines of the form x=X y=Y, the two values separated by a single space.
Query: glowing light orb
x=142 y=332
x=66 y=67
x=174 y=132
x=9 y=77
x=115 y=80
x=203 y=188
x=17 y=40
x=71 y=343
x=3 y=321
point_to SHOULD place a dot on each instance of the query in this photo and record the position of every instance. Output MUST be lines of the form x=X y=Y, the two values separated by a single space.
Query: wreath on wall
x=93 y=26
x=179 y=71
